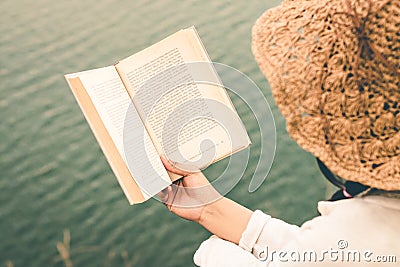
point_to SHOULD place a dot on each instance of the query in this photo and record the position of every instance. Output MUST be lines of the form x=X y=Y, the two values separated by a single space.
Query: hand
x=196 y=200
x=188 y=197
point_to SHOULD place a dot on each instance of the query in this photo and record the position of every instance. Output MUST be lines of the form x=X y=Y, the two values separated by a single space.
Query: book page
x=193 y=123
x=126 y=129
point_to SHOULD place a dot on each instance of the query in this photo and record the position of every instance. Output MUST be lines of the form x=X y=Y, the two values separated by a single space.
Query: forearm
x=226 y=219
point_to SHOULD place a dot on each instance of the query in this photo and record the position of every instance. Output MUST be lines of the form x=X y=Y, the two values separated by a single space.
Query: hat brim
x=302 y=53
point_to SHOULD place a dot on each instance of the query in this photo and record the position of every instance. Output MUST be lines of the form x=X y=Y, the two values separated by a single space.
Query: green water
x=53 y=173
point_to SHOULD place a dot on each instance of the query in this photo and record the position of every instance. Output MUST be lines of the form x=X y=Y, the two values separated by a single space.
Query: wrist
x=211 y=211
x=225 y=219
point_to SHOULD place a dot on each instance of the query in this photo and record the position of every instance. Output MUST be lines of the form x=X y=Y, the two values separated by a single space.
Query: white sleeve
x=216 y=252
x=263 y=230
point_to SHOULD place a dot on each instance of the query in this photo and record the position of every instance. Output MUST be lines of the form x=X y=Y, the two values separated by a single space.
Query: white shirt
x=353 y=232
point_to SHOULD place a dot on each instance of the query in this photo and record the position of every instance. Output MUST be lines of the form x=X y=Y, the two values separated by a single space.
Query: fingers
x=167 y=195
x=172 y=168
x=195 y=180
x=164 y=194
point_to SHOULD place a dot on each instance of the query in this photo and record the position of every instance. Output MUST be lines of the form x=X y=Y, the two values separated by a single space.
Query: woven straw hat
x=333 y=66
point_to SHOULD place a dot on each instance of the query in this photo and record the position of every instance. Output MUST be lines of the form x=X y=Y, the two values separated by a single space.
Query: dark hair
x=348 y=189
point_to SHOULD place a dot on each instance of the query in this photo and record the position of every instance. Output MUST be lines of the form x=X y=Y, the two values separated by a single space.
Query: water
x=54 y=177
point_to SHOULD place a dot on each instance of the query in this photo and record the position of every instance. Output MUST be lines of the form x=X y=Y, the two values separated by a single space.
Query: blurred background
x=60 y=204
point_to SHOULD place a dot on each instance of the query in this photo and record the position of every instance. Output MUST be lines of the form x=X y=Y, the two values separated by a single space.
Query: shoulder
x=371 y=215
x=366 y=211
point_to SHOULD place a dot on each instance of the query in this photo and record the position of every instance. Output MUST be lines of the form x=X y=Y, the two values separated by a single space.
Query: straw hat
x=333 y=66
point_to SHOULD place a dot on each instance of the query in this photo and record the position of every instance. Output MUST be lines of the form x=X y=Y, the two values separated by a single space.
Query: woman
x=333 y=66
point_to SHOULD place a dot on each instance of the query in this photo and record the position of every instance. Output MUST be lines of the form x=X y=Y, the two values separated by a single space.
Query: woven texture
x=333 y=66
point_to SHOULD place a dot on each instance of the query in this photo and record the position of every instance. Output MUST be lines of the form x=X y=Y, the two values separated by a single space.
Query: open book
x=165 y=100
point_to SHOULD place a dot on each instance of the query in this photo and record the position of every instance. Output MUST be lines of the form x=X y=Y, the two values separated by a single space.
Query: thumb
x=170 y=167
